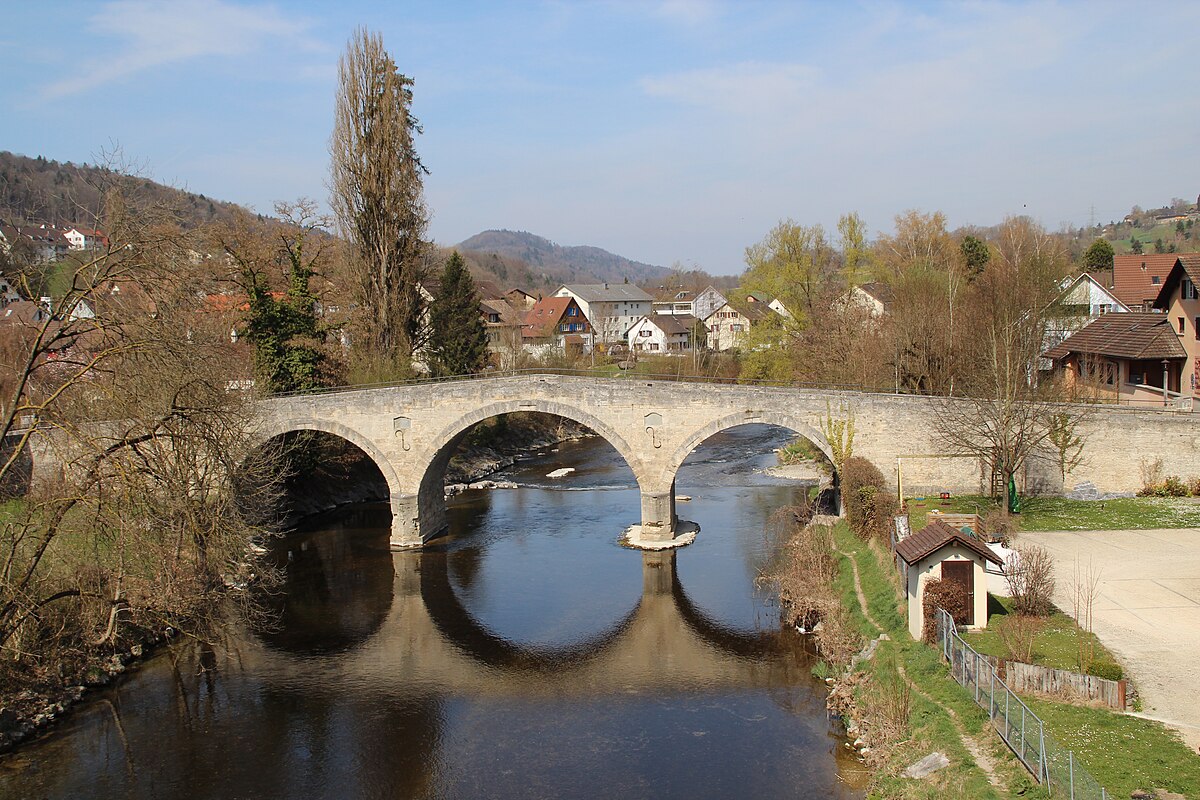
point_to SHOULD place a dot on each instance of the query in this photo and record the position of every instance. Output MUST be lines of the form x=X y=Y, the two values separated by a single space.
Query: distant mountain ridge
x=558 y=263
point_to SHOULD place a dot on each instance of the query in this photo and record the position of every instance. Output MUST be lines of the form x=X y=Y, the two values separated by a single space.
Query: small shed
x=942 y=551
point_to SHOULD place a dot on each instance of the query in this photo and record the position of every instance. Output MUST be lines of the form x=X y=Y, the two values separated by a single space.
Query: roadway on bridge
x=1147 y=612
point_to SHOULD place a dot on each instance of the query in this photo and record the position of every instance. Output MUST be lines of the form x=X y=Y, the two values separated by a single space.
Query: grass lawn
x=1122 y=752
x=1056 y=646
x=1061 y=514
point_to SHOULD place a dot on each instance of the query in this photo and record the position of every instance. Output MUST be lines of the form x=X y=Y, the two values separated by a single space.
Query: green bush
x=1106 y=670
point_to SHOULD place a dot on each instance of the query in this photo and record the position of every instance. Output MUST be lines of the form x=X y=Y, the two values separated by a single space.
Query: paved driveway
x=1147 y=612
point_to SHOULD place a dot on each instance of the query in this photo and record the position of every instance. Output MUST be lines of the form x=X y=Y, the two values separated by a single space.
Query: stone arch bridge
x=410 y=431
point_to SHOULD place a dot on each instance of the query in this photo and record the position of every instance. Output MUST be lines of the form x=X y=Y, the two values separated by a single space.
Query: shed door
x=963 y=574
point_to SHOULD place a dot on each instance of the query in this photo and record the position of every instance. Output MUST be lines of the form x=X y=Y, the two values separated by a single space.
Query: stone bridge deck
x=410 y=431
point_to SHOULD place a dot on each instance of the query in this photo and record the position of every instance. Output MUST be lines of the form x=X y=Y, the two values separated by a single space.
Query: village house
x=728 y=324
x=1137 y=279
x=1179 y=299
x=555 y=324
x=1081 y=300
x=79 y=238
x=772 y=303
x=610 y=308
x=1141 y=357
x=874 y=298
x=957 y=556
x=663 y=333
x=1133 y=358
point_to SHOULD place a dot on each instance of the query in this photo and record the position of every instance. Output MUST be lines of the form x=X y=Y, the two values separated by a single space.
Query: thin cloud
x=160 y=32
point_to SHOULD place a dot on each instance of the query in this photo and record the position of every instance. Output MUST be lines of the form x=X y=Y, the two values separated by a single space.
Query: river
x=525 y=655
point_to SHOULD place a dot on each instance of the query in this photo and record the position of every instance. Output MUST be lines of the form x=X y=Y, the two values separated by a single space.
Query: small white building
x=85 y=239
x=662 y=333
x=940 y=551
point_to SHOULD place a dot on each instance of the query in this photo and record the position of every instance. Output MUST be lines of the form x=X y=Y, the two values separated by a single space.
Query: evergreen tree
x=975 y=255
x=1098 y=256
x=1135 y=245
x=457 y=338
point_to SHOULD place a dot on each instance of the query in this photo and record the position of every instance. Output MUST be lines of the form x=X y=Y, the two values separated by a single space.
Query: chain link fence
x=1023 y=731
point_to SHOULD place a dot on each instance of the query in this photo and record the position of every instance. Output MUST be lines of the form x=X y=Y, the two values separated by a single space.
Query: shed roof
x=937 y=535
x=1137 y=335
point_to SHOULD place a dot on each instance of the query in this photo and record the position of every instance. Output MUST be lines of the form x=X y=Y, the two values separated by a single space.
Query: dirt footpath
x=1147 y=612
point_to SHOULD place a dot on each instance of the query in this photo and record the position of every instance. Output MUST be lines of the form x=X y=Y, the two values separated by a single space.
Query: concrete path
x=1147 y=612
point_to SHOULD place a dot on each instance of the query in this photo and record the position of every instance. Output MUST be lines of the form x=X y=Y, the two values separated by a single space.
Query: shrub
x=1029 y=573
x=838 y=642
x=1174 y=487
x=945 y=595
x=1017 y=633
x=868 y=503
x=1106 y=670
x=1151 y=472
x=1194 y=486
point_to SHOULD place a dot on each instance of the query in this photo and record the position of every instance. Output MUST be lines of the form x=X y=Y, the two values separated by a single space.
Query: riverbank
x=900 y=704
x=27 y=713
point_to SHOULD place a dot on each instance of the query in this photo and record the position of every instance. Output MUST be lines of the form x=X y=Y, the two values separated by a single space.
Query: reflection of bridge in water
x=421 y=633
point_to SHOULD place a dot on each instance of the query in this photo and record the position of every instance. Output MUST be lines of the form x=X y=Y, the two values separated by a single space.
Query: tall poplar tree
x=457 y=339
x=377 y=196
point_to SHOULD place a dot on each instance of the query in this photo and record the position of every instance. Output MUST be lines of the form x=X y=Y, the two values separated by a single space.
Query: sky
x=672 y=132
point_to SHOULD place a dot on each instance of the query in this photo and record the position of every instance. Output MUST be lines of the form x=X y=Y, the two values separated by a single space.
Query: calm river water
x=525 y=655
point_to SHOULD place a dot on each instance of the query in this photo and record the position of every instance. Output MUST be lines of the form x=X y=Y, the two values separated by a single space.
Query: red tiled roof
x=937 y=535
x=1133 y=276
x=542 y=319
x=1135 y=335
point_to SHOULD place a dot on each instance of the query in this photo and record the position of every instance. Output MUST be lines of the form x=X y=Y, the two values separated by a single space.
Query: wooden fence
x=1029 y=678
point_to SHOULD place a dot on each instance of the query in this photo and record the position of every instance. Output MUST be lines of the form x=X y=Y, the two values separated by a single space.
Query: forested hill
x=557 y=264
x=35 y=190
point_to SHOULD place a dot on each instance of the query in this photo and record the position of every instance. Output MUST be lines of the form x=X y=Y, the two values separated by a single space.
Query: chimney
x=606 y=286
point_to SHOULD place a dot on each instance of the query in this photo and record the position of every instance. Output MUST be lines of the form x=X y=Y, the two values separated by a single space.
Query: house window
x=1181 y=326
x=572 y=312
x=564 y=328
x=1156 y=280
x=643 y=333
x=1188 y=290
x=1197 y=328
x=735 y=328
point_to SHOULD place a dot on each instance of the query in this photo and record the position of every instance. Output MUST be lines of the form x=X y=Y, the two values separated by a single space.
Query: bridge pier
x=661 y=528
x=408 y=529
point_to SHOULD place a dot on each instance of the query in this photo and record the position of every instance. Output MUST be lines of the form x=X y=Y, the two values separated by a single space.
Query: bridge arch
x=282 y=427
x=432 y=463
x=792 y=422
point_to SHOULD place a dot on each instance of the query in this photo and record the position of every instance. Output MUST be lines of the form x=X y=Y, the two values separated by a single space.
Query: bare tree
x=1006 y=415
x=1029 y=573
x=113 y=382
x=1084 y=589
x=377 y=196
